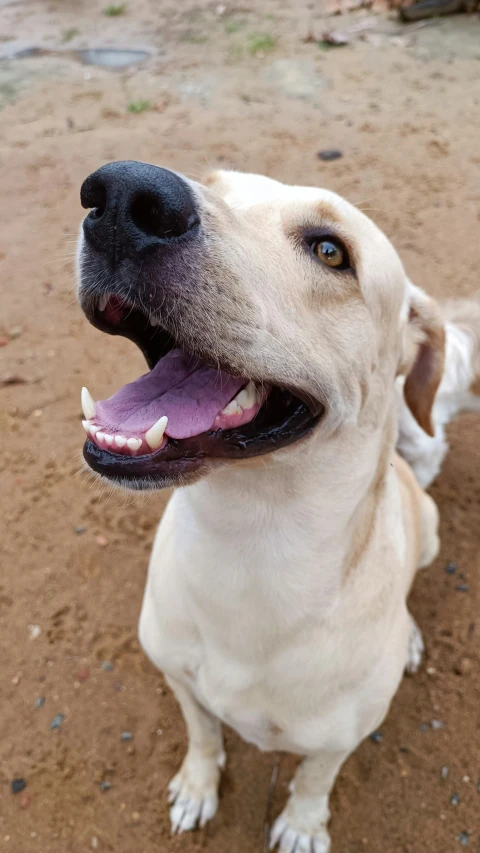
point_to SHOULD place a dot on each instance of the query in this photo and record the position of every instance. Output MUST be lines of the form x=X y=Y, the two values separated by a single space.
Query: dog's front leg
x=194 y=790
x=302 y=826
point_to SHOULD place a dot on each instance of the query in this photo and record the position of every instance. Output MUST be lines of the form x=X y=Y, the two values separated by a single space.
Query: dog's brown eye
x=331 y=253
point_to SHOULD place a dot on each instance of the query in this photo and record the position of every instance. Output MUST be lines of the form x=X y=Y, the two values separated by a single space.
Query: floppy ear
x=424 y=356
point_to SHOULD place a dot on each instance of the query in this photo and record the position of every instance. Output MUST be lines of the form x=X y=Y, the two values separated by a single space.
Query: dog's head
x=267 y=313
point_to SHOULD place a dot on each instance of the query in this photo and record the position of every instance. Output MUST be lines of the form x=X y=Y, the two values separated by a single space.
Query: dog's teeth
x=100 y=436
x=120 y=440
x=154 y=321
x=134 y=443
x=247 y=397
x=108 y=439
x=86 y=426
x=88 y=404
x=154 y=436
x=232 y=409
x=103 y=302
x=94 y=430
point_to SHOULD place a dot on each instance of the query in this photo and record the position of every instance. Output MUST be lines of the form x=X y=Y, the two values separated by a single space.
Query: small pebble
x=101 y=540
x=83 y=674
x=126 y=736
x=34 y=631
x=451 y=568
x=16 y=679
x=18 y=785
x=464 y=839
x=454 y=799
x=160 y=732
x=105 y=786
x=136 y=816
x=463 y=667
x=445 y=770
x=95 y=842
x=376 y=737
x=79 y=530
x=462 y=587
x=466 y=779
x=37 y=413
x=40 y=701
x=25 y=801
x=436 y=725
x=424 y=727
x=107 y=666
x=329 y=154
x=57 y=721
x=15 y=331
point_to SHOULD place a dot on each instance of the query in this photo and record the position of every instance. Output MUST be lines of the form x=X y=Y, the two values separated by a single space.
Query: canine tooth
x=86 y=426
x=232 y=409
x=100 y=436
x=134 y=443
x=120 y=440
x=108 y=438
x=154 y=436
x=103 y=302
x=247 y=397
x=88 y=404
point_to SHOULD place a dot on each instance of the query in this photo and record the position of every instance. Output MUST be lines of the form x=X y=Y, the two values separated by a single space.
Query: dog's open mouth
x=184 y=412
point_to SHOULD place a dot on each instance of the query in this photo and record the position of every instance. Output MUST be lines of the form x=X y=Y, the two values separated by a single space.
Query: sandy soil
x=239 y=87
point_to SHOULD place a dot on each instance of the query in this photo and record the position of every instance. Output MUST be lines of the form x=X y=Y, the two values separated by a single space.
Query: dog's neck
x=307 y=505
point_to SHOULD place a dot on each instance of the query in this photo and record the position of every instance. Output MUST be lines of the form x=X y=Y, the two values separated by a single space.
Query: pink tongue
x=182 y=387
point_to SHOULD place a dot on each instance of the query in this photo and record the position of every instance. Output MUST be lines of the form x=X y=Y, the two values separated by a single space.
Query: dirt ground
x=245 y=86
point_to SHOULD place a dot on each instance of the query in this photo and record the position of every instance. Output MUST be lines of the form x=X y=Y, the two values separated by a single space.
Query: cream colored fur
x=277 y=588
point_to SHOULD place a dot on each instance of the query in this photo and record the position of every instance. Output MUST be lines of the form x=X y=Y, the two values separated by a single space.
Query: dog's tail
x=459 y=390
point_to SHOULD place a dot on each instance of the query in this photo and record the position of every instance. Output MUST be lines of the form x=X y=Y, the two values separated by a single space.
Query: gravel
x=126 y=736
x=57 y=721
x=454 y=799
x=329 y=154
x=18 y=785
x=451 y=568
x=376 y=737
x=107 y=666
x=464 y=839
x=462 y=587
x=40 y=701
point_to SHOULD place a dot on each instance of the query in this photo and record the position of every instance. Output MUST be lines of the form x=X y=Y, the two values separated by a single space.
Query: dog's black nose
x=136 y=208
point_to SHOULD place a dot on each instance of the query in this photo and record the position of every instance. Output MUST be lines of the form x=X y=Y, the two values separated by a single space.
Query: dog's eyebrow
x=327 y=211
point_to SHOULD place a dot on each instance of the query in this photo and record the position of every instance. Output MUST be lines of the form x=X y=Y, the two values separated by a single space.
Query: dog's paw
x=290 y=840
x=193 y=793
x=416 y=648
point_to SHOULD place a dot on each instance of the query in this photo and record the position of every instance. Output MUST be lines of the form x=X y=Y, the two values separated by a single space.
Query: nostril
x=147 y=215
x=153 y=218
x=97 y=201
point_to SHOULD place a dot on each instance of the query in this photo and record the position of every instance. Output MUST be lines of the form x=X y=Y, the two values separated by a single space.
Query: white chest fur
x=262 y=630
